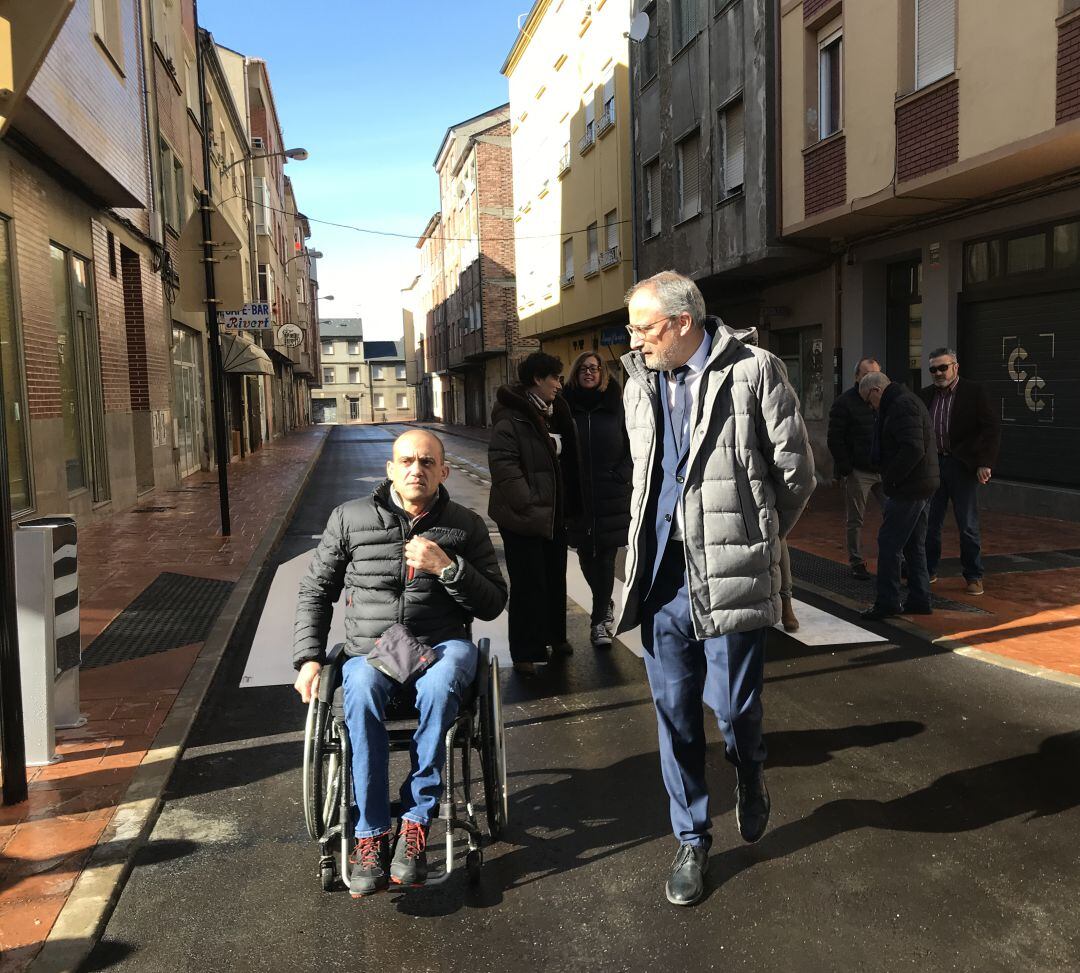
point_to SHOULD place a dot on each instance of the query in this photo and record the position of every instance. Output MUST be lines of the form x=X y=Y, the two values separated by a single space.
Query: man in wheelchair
x=407 y=555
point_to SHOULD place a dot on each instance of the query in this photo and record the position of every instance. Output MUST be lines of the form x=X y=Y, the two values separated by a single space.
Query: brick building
x=467 y=266
x=362 y=381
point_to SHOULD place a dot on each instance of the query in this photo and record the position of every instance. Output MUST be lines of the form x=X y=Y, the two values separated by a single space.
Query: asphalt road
x=925 y=816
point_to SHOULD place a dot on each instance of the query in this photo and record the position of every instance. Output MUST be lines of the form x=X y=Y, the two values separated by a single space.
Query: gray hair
x=675 y=293
x=939 y=352
x=874 y=380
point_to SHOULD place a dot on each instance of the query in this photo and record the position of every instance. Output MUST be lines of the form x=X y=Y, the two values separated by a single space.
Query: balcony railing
x=567 y=280
x=592 y=266
x=609 y=258
x=605 y=121
x=564 y=160
x=587 y=140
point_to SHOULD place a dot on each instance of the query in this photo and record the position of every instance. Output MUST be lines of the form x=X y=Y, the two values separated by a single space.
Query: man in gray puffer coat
x=722 y=470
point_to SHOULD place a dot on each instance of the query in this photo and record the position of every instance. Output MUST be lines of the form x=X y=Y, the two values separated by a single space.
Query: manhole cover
x=173 y=610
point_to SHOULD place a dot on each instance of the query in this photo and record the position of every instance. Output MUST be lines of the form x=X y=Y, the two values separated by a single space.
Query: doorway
x=904 y=324
x=188 y=407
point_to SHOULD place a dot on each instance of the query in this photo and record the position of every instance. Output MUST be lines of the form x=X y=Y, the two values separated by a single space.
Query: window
x=684 y=23
x=327 y=346
x=191 y=87
x=14 y=404
x=262 y=205
x=651 y=184
x=590 y=116
x=568 y=261
x=354 y=409
x=935 y=40
x=399 y=372
x=688 y=176
x=328 y=376
x=163 y=27
x=354 y=348
x=802 y=352
x=731 y=152
x=380 y=400
x=354 y=376
x=650 y=58
x=611 y=230
x=1026 y=253
x=377 y=372
x=609 y=102
x=108 y=29
x=173 y=187
x=402 y=400
x=268 y=296
x=830 y=84
x=1066 y=245
x=592 y=248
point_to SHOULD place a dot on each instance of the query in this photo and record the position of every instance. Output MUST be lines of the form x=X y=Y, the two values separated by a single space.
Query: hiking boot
x=410 y=857
x=860 y=572
x=975 y=587
x=368 y=865
x=787 y=615
x=600 y=636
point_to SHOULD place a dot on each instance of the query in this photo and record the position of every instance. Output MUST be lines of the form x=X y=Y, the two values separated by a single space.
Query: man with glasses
x=722 y=470
x=966 y=434
x=903 y=448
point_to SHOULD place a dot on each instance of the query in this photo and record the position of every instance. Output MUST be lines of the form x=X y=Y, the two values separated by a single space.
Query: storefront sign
x=290 y=336
x=614 y=336
x=250 y=317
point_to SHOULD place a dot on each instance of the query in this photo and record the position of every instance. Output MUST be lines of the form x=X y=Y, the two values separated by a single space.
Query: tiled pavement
x=45 y=841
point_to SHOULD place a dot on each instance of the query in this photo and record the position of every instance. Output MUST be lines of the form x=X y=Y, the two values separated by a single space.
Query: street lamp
x=312 y=254
x=300 y=155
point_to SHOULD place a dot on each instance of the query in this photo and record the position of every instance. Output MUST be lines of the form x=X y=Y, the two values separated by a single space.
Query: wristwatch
x=450 y=573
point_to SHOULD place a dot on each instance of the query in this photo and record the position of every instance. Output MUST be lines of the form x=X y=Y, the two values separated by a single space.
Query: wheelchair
x=327 y=770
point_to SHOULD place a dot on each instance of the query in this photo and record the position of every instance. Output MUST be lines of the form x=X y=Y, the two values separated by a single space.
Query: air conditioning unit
x=257 y=143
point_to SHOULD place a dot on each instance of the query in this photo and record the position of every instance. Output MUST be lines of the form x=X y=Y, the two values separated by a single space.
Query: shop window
x=1025 y=254
x=802 y=351
x=1066 y=245
x=982 y=261
x=17 y=426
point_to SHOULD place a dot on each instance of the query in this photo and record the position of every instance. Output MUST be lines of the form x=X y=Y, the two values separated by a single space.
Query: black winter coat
x=532 y=490
x=851 y=433
x=909 y=466
x=974 y=427
x=363 y=551
x=606 y=468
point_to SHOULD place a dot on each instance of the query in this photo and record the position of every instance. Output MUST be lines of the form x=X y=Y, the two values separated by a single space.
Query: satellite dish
x=639 y=27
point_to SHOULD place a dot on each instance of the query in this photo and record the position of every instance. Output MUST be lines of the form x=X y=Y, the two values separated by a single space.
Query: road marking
x=818 y=627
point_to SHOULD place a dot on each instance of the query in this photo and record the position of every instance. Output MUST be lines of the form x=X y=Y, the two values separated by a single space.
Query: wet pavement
x=925 y=816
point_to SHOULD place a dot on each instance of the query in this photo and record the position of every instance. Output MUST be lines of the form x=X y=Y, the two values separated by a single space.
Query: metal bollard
x=47 y=596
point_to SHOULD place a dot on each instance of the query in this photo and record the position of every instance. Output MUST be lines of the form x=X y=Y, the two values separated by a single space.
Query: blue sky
x=369 y=90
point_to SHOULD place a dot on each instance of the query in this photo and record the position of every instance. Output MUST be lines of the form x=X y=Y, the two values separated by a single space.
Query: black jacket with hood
x=905 y=441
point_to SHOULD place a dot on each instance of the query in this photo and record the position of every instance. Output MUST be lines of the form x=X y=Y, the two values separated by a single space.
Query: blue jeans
x=725 y=672
x=903 y=531
x=961 y=486
x=438 y=696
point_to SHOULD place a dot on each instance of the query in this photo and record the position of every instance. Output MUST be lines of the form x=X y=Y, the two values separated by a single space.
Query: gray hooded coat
x=749 y=475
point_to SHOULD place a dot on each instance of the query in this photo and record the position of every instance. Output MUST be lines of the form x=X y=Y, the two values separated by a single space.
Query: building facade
x=946 y=189
x=362 y=381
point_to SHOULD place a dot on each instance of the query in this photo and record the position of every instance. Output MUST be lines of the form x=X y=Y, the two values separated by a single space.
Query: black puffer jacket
x=363 y=551
x=531 y=488
x=851 y=433
x=606 y=468
x=909 y=466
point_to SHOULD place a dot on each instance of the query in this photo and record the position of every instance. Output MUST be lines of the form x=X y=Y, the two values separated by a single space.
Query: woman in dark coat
x=595 y=401
x=535 y=489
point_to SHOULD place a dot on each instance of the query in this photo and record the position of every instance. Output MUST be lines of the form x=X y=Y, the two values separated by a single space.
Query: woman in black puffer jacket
x=595 y=400
x=535 y=491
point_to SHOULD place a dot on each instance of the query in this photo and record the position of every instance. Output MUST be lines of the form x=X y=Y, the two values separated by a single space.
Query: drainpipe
x=633 y=159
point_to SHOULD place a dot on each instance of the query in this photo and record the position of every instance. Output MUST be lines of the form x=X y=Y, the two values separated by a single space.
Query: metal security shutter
x=734 y=145
x=1026 y=351
x=935 y=40
x=689 y=176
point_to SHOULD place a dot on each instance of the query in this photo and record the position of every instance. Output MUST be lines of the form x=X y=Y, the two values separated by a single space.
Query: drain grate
x=836 y=577
x=173 y=610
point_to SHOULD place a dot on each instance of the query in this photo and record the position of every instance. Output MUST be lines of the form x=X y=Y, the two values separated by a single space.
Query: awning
x=242 y=357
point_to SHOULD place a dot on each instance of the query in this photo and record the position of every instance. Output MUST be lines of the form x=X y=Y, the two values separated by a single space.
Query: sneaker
x=410 y=856
x=975 y=587
x=860 y=573
x=368 y=865
x=933 y=579
x=609 y=618
x=600 y=636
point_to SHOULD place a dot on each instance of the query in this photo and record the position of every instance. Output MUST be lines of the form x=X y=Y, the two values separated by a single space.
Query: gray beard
x=661 y=362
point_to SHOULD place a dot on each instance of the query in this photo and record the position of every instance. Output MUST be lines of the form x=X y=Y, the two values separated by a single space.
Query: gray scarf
x=544 y=408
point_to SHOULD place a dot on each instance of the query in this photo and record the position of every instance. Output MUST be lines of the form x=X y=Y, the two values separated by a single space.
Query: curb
x=84 y=916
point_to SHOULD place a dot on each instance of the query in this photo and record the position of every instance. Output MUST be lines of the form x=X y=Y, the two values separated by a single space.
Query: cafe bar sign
x=250 y=317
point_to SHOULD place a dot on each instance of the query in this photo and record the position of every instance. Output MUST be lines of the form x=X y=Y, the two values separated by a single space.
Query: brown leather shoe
x=975 y=587
x=787 y=615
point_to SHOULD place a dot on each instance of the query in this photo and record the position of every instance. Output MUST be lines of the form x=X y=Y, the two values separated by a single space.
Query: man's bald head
x=427 y=438
x=418 y=468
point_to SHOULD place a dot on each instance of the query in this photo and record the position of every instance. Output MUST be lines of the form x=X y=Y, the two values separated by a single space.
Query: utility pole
x=217 y=376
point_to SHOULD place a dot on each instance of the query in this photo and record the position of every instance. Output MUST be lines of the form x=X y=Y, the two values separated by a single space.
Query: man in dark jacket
x=406 y=554
x=966 y=435
x=851 y=434
x=904 y=450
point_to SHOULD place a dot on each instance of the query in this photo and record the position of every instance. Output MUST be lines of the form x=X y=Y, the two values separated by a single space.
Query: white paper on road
x=817 y=627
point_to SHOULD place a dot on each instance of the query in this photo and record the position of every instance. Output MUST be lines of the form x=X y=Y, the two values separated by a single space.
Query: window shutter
x=689 y=177
x=652 y=198
x=733 y=147
x=935 y=40
x=591 y=238
x=612 y=229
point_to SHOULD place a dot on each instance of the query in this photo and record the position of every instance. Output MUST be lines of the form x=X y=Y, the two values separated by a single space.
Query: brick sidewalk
x=46 y=840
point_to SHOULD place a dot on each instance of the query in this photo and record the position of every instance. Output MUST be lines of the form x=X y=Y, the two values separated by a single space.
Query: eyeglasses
x=935 y=369
x=636 y=331
x=590 y=369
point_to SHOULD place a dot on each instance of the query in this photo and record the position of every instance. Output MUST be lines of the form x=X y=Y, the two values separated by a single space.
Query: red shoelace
x=366 y=853
x=415 y=839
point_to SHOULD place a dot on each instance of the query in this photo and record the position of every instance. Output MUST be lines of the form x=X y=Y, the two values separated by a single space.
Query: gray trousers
x=858 y=484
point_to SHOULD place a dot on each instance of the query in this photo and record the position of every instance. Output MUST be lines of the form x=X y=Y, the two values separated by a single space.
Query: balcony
x=609 y=258
x=564 y=161
x=567 y=280
x=605 y=121
x=588 y=140
x=477 y=349
x=456 y=358
x=592 y=266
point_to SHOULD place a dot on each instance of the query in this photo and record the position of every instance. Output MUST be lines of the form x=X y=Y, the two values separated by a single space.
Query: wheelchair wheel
x=327 y=877
x=493 y=753
x=317 y=773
